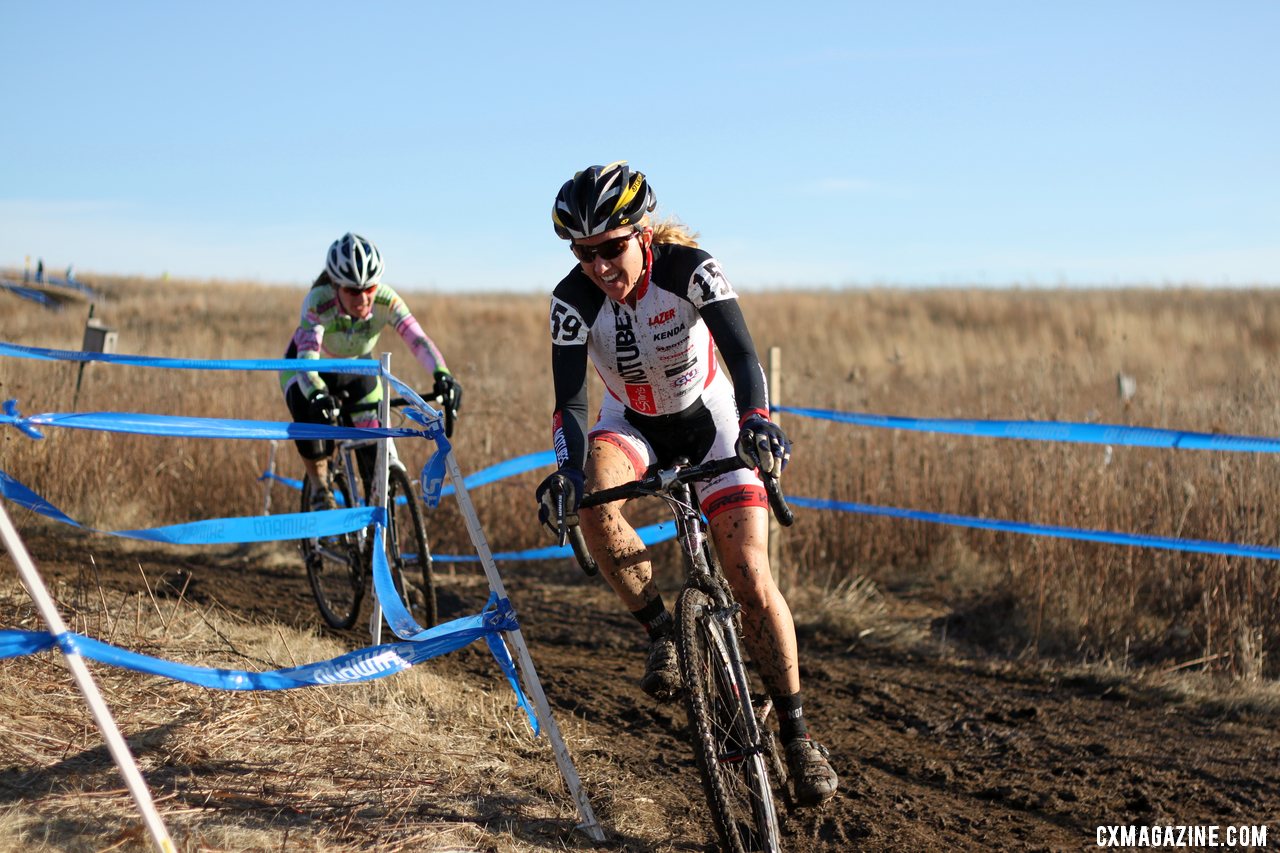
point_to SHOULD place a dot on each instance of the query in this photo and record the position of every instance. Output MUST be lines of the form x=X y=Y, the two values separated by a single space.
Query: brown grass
x=1202 y=360
x=433 y=763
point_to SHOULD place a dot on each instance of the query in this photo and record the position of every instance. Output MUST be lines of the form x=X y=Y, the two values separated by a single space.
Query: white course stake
x=84 y=680
x=380 y=486
x=266 y=478
x=528 y=674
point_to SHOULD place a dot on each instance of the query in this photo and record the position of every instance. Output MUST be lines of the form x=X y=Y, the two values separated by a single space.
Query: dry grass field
x=1201 y=359
x=304 y=771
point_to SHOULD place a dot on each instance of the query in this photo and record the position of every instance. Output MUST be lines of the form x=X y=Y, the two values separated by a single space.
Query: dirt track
x=934 y=752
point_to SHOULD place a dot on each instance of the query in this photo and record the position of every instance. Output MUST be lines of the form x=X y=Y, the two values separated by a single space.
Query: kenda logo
x=363 y=667
x=664 y=317
x=669 y=333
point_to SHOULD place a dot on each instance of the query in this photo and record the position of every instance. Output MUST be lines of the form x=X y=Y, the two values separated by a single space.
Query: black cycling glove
x=568 y=482
x=449 y=390
x=762 y=444
x=324 y=409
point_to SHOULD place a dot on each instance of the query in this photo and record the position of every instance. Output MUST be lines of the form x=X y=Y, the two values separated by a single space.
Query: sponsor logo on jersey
x=677 y=369
x=640 y=399
x=668 y=333
x=677 y=352
x=684 y=380
x=665 y=317
x=557 y=438
x=627 y=349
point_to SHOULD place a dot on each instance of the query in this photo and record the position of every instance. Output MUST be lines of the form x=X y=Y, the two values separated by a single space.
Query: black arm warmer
x=569 y=373
x=729 y=330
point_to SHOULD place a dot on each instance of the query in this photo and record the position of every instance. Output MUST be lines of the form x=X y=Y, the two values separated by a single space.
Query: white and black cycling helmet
x=353 y=262
x=599 y=199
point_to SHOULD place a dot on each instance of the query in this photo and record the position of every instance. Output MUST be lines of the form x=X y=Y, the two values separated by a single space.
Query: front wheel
x=335 y=564
x=408 y=555
x=726 y=738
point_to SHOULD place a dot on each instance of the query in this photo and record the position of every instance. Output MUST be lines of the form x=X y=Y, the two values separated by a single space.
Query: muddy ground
x=937 y=747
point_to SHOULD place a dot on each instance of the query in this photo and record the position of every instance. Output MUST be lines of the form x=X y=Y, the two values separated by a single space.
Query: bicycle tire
x=781 y=775
x=726 y=739
x=337 y=579
x=408 y=554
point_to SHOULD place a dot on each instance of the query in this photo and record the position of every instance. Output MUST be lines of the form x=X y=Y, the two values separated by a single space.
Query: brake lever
x=562 y=532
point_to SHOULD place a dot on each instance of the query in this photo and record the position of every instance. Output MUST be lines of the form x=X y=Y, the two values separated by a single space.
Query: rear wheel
x=407 y=551
x=726 y=739
x=335 y=564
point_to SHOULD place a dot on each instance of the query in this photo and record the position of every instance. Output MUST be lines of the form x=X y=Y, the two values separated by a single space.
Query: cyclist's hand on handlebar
x=762 y=444
x=323 y=407
x=567 y=483
x=449 y=390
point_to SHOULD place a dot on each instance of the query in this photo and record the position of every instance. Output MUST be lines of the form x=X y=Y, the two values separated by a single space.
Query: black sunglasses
x=609 y=249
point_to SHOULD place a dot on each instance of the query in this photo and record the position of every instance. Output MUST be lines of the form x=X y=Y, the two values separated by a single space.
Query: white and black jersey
x=656 y=359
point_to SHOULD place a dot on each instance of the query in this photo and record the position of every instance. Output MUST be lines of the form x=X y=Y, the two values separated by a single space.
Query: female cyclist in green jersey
x=342 y=316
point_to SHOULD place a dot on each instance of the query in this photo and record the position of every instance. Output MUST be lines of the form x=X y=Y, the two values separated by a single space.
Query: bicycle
x=339 y=567
x=734 y=747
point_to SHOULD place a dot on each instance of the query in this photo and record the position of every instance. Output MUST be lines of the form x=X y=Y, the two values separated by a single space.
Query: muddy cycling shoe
x=662 y=669
x=322 y=499
x=811 y=774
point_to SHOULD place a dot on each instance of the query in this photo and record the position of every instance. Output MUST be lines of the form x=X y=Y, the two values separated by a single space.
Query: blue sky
x=811 y=144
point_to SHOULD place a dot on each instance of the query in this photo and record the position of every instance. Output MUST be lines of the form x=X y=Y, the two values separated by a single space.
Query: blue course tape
x=1195 y=545
x=403 y=624
x=190 y=427
x=361 y=665
x=358 y=366
x=650 y=535
x=1053 y=431
x=215 y=531
x=509 y=468
x=483 y=477
x=32 y=294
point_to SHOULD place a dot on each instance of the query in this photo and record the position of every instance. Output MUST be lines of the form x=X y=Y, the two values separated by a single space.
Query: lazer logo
x=664 y=317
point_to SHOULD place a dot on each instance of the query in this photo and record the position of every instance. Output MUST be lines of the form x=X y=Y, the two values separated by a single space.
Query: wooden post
x=775 y=529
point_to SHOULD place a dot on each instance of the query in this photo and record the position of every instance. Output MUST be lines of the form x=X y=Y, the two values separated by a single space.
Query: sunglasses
x=609 y=249
x=364 y=291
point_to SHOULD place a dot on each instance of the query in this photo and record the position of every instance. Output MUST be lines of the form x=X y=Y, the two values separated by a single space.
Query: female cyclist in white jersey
x=342 y=316
x=647 y=308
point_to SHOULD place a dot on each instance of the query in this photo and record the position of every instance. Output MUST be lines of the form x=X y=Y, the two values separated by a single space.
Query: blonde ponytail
x=672 y=230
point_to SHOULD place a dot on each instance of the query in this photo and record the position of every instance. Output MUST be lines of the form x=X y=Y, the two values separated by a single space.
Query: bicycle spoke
x=335 y=565
x=407 y=551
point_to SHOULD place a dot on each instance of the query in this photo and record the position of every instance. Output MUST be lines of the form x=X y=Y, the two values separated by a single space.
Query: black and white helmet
x=599 y=199
x=353 y=262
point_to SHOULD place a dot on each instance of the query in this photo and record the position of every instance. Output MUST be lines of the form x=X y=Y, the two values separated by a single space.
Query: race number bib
x=567 y=326
x=708 y=284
